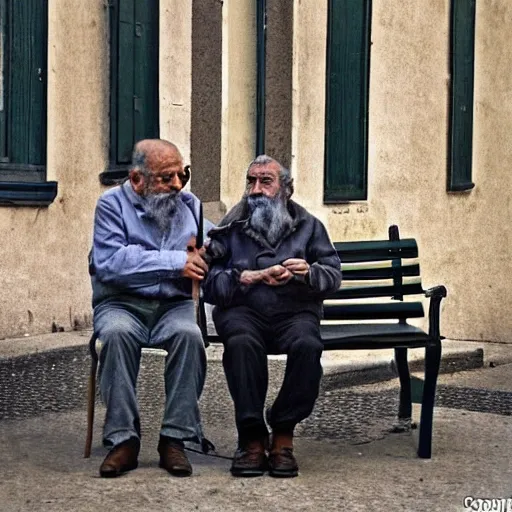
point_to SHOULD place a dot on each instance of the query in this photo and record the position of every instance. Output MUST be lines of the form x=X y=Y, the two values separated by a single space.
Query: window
x=23 y=63
x=461 y=98
x=134 y=106
x=346 y=131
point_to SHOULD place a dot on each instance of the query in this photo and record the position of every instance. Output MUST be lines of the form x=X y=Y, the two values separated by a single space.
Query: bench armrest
x=436 y=295
x=436 y=291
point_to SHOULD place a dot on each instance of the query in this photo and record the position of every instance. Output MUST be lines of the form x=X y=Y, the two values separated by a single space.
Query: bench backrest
x=375 y=270
x=372 y=270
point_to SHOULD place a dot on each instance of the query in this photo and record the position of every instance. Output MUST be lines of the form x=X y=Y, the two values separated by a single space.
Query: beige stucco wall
x=43 y=275
x=464 y=239
x=44 y=250
x=238 y=127
x=175 y=82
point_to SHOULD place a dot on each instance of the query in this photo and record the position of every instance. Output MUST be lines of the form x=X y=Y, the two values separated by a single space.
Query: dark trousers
x=248 y=337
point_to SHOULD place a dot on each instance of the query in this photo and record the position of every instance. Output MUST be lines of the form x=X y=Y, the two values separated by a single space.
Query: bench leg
x=405 y=407
x=432 y=363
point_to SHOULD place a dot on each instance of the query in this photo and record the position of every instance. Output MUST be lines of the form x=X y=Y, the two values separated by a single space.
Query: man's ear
x=290 y=190
x=137 y=181
x=186 y=176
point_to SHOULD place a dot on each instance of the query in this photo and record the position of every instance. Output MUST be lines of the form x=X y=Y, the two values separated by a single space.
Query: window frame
x=22 y=183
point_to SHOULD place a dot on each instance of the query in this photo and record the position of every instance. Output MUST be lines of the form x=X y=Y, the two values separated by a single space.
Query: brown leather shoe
x=281 y=461
x=121 y=458
x=173 y=458
x=250 y=459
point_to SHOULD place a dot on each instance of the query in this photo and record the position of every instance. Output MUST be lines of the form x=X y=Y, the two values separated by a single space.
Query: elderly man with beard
x=271 y=265
x=142 y=275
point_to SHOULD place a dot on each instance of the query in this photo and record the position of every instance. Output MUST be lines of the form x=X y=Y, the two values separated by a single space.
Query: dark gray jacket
x=235 y=247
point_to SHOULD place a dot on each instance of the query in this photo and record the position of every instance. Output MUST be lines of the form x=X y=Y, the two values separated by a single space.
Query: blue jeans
x=126 y=325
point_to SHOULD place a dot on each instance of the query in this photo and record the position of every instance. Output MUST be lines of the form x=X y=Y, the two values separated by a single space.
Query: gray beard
x=269 y=217
x=161 y=208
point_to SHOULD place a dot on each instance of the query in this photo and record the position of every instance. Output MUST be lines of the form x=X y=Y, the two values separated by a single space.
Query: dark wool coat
x=235 y=247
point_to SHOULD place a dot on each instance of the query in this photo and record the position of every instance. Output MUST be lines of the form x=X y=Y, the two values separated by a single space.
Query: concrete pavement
x=357 y=365
x=348 y=458
x=43 y=470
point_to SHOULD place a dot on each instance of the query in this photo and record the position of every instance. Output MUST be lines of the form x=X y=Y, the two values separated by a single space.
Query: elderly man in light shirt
x=142 y=264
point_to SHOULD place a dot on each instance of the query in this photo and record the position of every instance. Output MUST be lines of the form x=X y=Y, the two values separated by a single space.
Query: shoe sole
x=180 y=473
x=284 y=474
x=247 y=472
x=115 y=474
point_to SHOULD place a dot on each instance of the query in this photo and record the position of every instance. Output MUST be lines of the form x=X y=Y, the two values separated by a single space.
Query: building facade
x=94 y=55
x=386 y=111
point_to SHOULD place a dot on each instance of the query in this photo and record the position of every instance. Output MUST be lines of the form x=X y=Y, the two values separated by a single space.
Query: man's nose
x=256 y=188
x=176 y=182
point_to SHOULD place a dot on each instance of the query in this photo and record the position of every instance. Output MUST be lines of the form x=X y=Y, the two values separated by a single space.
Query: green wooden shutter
x=26 y=108
x=134 y=79
x=4 y=83
x=461 y=101
x=125 y=80
x=346 y=133
x=146 y=70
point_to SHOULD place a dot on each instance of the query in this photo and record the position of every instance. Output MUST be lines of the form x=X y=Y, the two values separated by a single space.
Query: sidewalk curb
x=52 y=376
x=355 y=374
x=344 y=368
x=341 y=368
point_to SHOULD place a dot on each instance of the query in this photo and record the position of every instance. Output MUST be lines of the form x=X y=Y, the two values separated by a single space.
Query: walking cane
x=196 y=284
x=91 y=395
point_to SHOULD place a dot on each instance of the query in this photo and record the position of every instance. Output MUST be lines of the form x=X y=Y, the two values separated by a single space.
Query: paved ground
x=456 y=354
x=48 y=373
x=348 y=460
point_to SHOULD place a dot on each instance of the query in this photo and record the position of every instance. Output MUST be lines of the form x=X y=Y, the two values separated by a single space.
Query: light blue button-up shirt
x=130 y=254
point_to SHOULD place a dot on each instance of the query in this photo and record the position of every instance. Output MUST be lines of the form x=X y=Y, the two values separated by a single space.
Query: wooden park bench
x=388 y=269
x=372 y=271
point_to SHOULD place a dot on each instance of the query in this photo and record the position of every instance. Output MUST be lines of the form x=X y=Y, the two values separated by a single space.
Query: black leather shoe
x=121 y=458
x=173 y=458
x=282 y=463
x=250 y=459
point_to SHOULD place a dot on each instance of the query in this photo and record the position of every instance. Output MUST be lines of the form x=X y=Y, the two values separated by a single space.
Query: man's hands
x=276 y=275
x=297 y=266
x=195 y=267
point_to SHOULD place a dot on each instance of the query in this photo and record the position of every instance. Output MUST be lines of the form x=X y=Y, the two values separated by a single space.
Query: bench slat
x=378 y=311
x=386 y=272
x=363 y=292
x=366 y=283
x=367 y=336
x=376 y=250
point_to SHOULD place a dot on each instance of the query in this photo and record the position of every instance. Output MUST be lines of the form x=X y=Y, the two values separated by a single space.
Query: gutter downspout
x=261 y=43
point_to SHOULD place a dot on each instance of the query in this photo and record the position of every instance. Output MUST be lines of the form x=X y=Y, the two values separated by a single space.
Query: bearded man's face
x=263 y=179
x=160 y=184
x=267 y=204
